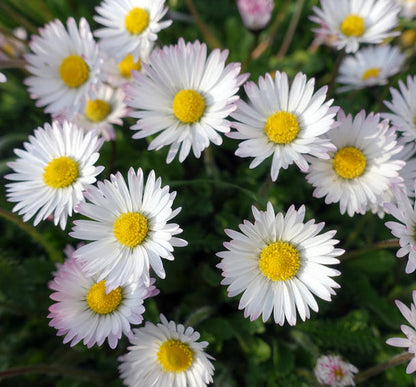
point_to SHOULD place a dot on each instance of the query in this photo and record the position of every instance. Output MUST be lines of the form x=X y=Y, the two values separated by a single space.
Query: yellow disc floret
x=279 y=261
x=349 y=162
x=282 y=127
x=174 y=356
x=130 y=229
x=372 y=72
x=127 y=65
x=74 y=71
x=188 y=106
x=97 y=110
x=60 y=172
x=338 y=373
x=102 y=303
x=136 y=21
x=353 y=25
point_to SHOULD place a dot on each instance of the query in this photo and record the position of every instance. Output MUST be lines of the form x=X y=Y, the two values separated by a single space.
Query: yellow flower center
x=74 y=71
x=102 y=303
x=372 y=72
x=188 y=106
x=174 y=356
x=282 y=127
x=349 y=162
x=96 y=110
x=127 y=65
x=279 y=261
x=136 y=21
x=353 y=25
x=338 y=373
x=130 y=229
x=60 y=172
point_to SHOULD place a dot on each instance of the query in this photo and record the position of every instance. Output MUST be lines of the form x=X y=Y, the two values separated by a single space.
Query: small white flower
x=408 y=8
x=166 y=354
x=186 y=96
x=370 y=66
x=279 y=263
x=403 y=106
x=354 y=22
x=405 y=212
x=256 y=14
x=100 y=113
x=84 y=310
x=65 y=66
x=362 y=167
x=283 y=122
x=410 y=332
x=52 y=172
x=130 y=26
x=333 y=371
x=2 y=78
x=128 y=230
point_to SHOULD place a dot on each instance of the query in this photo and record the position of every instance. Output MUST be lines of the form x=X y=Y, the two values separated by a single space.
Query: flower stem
x=287 y=40
x=210 y=39
x=54 y=255
x=379 y=368
x=378 y=245
x=335 y=71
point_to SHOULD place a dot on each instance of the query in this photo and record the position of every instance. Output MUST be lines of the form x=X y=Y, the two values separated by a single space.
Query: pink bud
x=255 y=14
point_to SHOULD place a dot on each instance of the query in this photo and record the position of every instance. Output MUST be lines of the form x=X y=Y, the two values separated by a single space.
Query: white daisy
x=405 y=212
x=408 y=172
x=370 y=66
x=354 y=22
x=403 y=106
x=65 y=66
x=130 y=26
x=283 y=121
x=118 y=72
x=410 y=332
x=85 y=311
x=185 y=95
x=106 y=109
x=333 y=371
x=53 y=170
x=279 y=263
x=361 y=168
x=129 y=229
x=408 y=8
x=166 y=354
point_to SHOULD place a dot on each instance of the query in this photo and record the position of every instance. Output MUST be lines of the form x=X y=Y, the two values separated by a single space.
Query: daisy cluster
x=279 y=263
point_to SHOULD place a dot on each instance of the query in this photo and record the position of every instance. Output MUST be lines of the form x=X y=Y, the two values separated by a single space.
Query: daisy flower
x=279 y=263
x=408 y=8
x=130 y=26
x=408 y=172
x=283 y=121
x=370 y=66
x=118 y=72
x=405 y=229
x=65 y=66
x=129 y=229
x=166 y=354
x=256 y=14
x=52 y=172
x=403 y=107
x=361 y=168
x=333 y=371
x=84 y=310
x=355 y=22
x=100 y=113
x=185 y=95
x=410 y=332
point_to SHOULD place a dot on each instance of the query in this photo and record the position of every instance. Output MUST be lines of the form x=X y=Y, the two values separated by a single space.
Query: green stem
x=209 y=38
x=54 y=254
x=50 y=369
x=379 y=368
x=376 y=246
x=335 y=71
x=18 y=18
x=287 y=40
